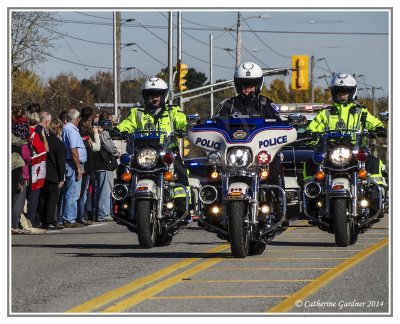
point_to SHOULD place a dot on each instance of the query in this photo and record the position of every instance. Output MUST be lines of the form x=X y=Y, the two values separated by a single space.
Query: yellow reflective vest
x=347 y=116
x=172 y=119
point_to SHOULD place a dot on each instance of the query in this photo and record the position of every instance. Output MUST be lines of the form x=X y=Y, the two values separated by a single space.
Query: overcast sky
x=353 y=41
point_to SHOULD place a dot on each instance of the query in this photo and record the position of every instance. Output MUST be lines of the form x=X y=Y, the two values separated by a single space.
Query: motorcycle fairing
x=256 y=134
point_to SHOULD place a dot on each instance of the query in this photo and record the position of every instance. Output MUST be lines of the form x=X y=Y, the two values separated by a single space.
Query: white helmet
x=343 y=83
x=154 y=86
x=248 y=73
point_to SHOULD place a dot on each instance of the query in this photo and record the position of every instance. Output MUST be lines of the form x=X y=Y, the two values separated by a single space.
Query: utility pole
x=170 y=57
x=117 y=60
x=238 y=42
x=312 y=79
x=179 y=47
x=374 y=149
x=211 y=77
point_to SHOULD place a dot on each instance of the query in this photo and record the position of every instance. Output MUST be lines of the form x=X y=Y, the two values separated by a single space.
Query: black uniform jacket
x=240 y=107
x=56 y=159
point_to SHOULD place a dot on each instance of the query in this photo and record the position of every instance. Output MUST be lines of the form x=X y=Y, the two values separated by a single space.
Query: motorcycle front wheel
x=238 y=234
x=341 y=225
x=145 y=221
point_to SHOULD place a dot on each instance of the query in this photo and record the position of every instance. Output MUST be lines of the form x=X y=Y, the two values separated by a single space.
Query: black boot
x=180 y=207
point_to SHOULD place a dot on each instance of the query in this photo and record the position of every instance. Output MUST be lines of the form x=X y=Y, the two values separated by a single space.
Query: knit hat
x=20 y=127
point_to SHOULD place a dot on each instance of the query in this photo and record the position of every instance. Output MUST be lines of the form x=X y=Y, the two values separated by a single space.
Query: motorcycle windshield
x=348 y=137
x=155 y=139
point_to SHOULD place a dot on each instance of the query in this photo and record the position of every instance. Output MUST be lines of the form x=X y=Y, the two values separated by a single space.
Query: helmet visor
x=336 y=91
x=154 y=93
x=248 y=82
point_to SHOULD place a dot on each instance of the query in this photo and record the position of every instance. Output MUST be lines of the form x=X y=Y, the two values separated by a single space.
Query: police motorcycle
x=237 y=204
x=143 y=197
x=342 y=199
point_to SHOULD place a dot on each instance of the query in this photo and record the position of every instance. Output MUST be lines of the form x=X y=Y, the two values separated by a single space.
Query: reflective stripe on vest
x=328 y=116
x=179 y=192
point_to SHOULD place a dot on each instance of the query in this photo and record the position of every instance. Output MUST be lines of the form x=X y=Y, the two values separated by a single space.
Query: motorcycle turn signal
x=320 y=175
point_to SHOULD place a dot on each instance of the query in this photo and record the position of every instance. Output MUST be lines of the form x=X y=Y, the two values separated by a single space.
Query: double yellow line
x=116 y=294
x=124 y=298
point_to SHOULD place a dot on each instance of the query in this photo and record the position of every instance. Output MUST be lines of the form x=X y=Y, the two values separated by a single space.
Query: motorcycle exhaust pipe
x=312 y=190
x=208 y=194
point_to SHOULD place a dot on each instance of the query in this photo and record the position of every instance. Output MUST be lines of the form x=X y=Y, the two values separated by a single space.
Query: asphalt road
x=101 y=269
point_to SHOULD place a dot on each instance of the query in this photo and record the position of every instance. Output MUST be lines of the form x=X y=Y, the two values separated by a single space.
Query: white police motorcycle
x=242 y=207
x=143 y=197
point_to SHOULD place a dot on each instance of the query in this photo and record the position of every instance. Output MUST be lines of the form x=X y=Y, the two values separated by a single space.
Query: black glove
x=381 y=131
x=124 y=135
x=180 y=134
x=307 y=134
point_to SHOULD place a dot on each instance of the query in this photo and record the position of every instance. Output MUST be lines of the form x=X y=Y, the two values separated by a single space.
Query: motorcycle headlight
x=239 y=157
x=340 y=156
x=147 y=157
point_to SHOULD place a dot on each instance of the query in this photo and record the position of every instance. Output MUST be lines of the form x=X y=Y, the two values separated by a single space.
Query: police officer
x=347 y=113
x=248 y=79
x=157 y=115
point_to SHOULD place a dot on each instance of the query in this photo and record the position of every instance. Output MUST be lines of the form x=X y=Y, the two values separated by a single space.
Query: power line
x=203 y=43
x=223 y=29
x=265 y=44
x=186 y=53
x=250 y=53
x=76 y=55
x=85 y=14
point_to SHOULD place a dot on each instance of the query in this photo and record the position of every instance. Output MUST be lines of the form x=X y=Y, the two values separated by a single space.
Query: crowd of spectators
x=62 y=175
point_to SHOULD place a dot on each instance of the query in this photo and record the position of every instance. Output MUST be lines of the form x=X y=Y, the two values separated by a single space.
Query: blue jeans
x=32 y=197
x=102 y=195
x=83 y=199
x=72 y=192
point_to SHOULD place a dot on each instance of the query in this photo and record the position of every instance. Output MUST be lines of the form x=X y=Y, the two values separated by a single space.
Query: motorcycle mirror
x=384 y=116
x=193 y=119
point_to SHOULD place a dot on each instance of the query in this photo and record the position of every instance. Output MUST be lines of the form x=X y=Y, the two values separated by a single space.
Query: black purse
x=110 y=162
x=104 y=160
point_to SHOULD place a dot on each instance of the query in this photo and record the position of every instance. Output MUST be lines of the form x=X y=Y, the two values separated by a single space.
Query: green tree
x=26 y=87
x=65 y=92
x=277 y=91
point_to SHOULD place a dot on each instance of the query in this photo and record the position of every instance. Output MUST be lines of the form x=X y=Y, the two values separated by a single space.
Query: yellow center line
x=159 y=287
x=124 y=290
x=219 y=297
x=265 y=269
x=312 y=250
x=153 y=290
x=286 y=259
x=287 y=304
x=245 y=280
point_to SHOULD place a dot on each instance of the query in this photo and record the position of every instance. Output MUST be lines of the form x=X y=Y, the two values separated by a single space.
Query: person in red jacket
x=38 y=141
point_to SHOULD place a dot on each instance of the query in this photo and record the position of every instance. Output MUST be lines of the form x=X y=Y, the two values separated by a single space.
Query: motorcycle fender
x=145 y=189
x=340 y=187
x=237 y=190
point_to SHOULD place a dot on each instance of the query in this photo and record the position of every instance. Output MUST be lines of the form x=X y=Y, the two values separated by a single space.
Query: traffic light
x=300 y=72
x=181 y=70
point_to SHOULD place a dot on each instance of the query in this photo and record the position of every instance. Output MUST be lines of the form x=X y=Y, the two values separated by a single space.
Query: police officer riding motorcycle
x=344 y=188
x=247 y=206
x=152 y=197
